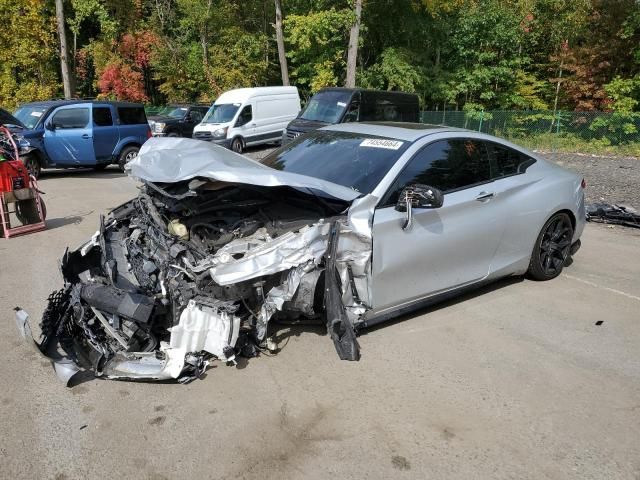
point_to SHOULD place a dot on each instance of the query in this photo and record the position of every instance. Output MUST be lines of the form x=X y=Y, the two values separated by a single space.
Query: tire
x=236 y=145
x=552 y=248
x=173 y=134
x=127 y=154
x=32 y=163
x=27 y=212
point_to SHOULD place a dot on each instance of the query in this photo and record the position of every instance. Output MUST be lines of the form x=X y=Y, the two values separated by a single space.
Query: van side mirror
x=417 y=196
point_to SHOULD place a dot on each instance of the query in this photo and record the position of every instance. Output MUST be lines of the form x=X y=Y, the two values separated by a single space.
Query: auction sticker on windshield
x=381 y=143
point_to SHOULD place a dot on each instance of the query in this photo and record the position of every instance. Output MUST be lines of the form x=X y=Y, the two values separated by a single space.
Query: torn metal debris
x=613 y=214
x=193 y=271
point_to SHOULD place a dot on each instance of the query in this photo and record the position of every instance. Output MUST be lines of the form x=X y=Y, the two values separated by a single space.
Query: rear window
x=102 y=116
x=132 y=116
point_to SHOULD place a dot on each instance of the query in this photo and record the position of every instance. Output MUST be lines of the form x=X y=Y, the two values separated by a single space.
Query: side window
x=131 y=115
x=385 y=110
x=447 y=165
x=196 y=116
x=102 y=117
x=245 y=116
x=506 y=162
x=352 y=113
x=71 y=118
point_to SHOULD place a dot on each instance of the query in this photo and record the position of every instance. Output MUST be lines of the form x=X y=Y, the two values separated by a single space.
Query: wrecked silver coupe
x=351 y=224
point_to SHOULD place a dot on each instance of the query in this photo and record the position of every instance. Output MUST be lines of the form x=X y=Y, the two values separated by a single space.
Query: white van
x=249 y=116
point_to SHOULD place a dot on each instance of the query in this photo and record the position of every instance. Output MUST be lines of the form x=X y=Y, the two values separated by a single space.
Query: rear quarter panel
x=530 y=200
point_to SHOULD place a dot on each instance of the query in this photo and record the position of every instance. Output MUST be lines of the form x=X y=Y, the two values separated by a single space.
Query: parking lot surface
x=516 y=380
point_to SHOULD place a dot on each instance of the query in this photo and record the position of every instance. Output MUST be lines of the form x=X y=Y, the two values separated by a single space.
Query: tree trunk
x=67 y=81
x=555 y=100
x=352 y=53
x=284 y=69
x=204 y=39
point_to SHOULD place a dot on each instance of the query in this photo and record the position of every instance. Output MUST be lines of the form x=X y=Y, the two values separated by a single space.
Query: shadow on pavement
x=497 y=285
x=111 y=172
x=53 y=223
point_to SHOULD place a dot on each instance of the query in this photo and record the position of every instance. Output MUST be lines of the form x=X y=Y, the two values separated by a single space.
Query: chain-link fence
x=155 y=109
x=587 y=132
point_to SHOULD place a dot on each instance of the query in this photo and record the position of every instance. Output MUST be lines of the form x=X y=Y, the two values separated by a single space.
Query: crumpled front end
x=193 y=271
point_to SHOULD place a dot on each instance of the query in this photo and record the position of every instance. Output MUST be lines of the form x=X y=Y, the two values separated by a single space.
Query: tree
x=352 y=53
x=28 y=63
x=317 y=47
x=67 y=80
x=284 y=70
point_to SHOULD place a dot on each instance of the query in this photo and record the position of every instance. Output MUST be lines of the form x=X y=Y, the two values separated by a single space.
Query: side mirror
x=50 y=126
x=417 y=196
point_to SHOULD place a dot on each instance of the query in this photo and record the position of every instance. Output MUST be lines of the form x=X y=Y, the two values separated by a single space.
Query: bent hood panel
x=171 y=160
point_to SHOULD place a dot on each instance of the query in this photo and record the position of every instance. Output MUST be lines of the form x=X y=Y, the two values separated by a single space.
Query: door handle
x=484 y=196
x=86 y=135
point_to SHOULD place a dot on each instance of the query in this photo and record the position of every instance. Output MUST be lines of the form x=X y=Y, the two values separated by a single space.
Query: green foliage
x=27 y=53
x=473 y=56
x=394 y=71
x=317 y=47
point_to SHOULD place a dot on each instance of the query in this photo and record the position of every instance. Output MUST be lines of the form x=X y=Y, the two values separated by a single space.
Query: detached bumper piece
x=339 y=326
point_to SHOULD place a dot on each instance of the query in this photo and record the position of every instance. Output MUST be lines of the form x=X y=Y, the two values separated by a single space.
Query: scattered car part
x=613 y=214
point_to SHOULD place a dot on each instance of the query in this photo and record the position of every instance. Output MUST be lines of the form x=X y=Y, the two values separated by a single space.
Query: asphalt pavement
x=521 y=379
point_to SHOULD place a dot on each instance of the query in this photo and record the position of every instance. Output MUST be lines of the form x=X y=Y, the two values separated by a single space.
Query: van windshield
x=221 y=113
x=327 y=106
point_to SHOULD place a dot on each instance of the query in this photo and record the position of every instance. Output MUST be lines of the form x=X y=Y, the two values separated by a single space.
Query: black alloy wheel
x=552 y=248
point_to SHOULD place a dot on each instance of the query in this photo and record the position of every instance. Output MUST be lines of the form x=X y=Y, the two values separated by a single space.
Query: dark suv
x=80 y=133
x=342 y=105
x=177 y=120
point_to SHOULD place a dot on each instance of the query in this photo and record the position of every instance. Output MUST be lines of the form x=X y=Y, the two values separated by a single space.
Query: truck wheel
x=236 y=145
x=173 y=134
x=33 y=164
x=127 y=154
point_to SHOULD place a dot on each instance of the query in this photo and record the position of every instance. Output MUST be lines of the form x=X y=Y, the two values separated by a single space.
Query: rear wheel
x=552 y=248
x=236 y=145
x=127 y=155
x=173 y=134
x=33 y=164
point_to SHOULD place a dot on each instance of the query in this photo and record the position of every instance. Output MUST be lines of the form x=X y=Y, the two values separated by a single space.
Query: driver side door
x=68 y=137
x=447 y=247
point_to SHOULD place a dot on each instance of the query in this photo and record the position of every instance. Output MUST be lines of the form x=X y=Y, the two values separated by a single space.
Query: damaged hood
x=170 y=160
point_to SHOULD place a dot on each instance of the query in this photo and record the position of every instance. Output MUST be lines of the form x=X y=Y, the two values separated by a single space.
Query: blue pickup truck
x=74 y=133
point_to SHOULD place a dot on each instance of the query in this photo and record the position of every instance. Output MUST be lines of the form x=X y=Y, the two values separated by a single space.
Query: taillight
x=149 y=136
x=584 y=183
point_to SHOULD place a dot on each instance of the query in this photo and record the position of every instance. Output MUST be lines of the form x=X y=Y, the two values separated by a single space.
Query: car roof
x=59 y=103
x=406 y=131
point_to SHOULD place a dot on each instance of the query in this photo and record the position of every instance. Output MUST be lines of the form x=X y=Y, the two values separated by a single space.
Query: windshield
x=29 y=115
x=326 y=106
x=221 y=113
x=176 y=112
x=353 y=160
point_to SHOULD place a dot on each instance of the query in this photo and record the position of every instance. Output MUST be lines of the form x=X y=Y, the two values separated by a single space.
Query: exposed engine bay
x=193 y=271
